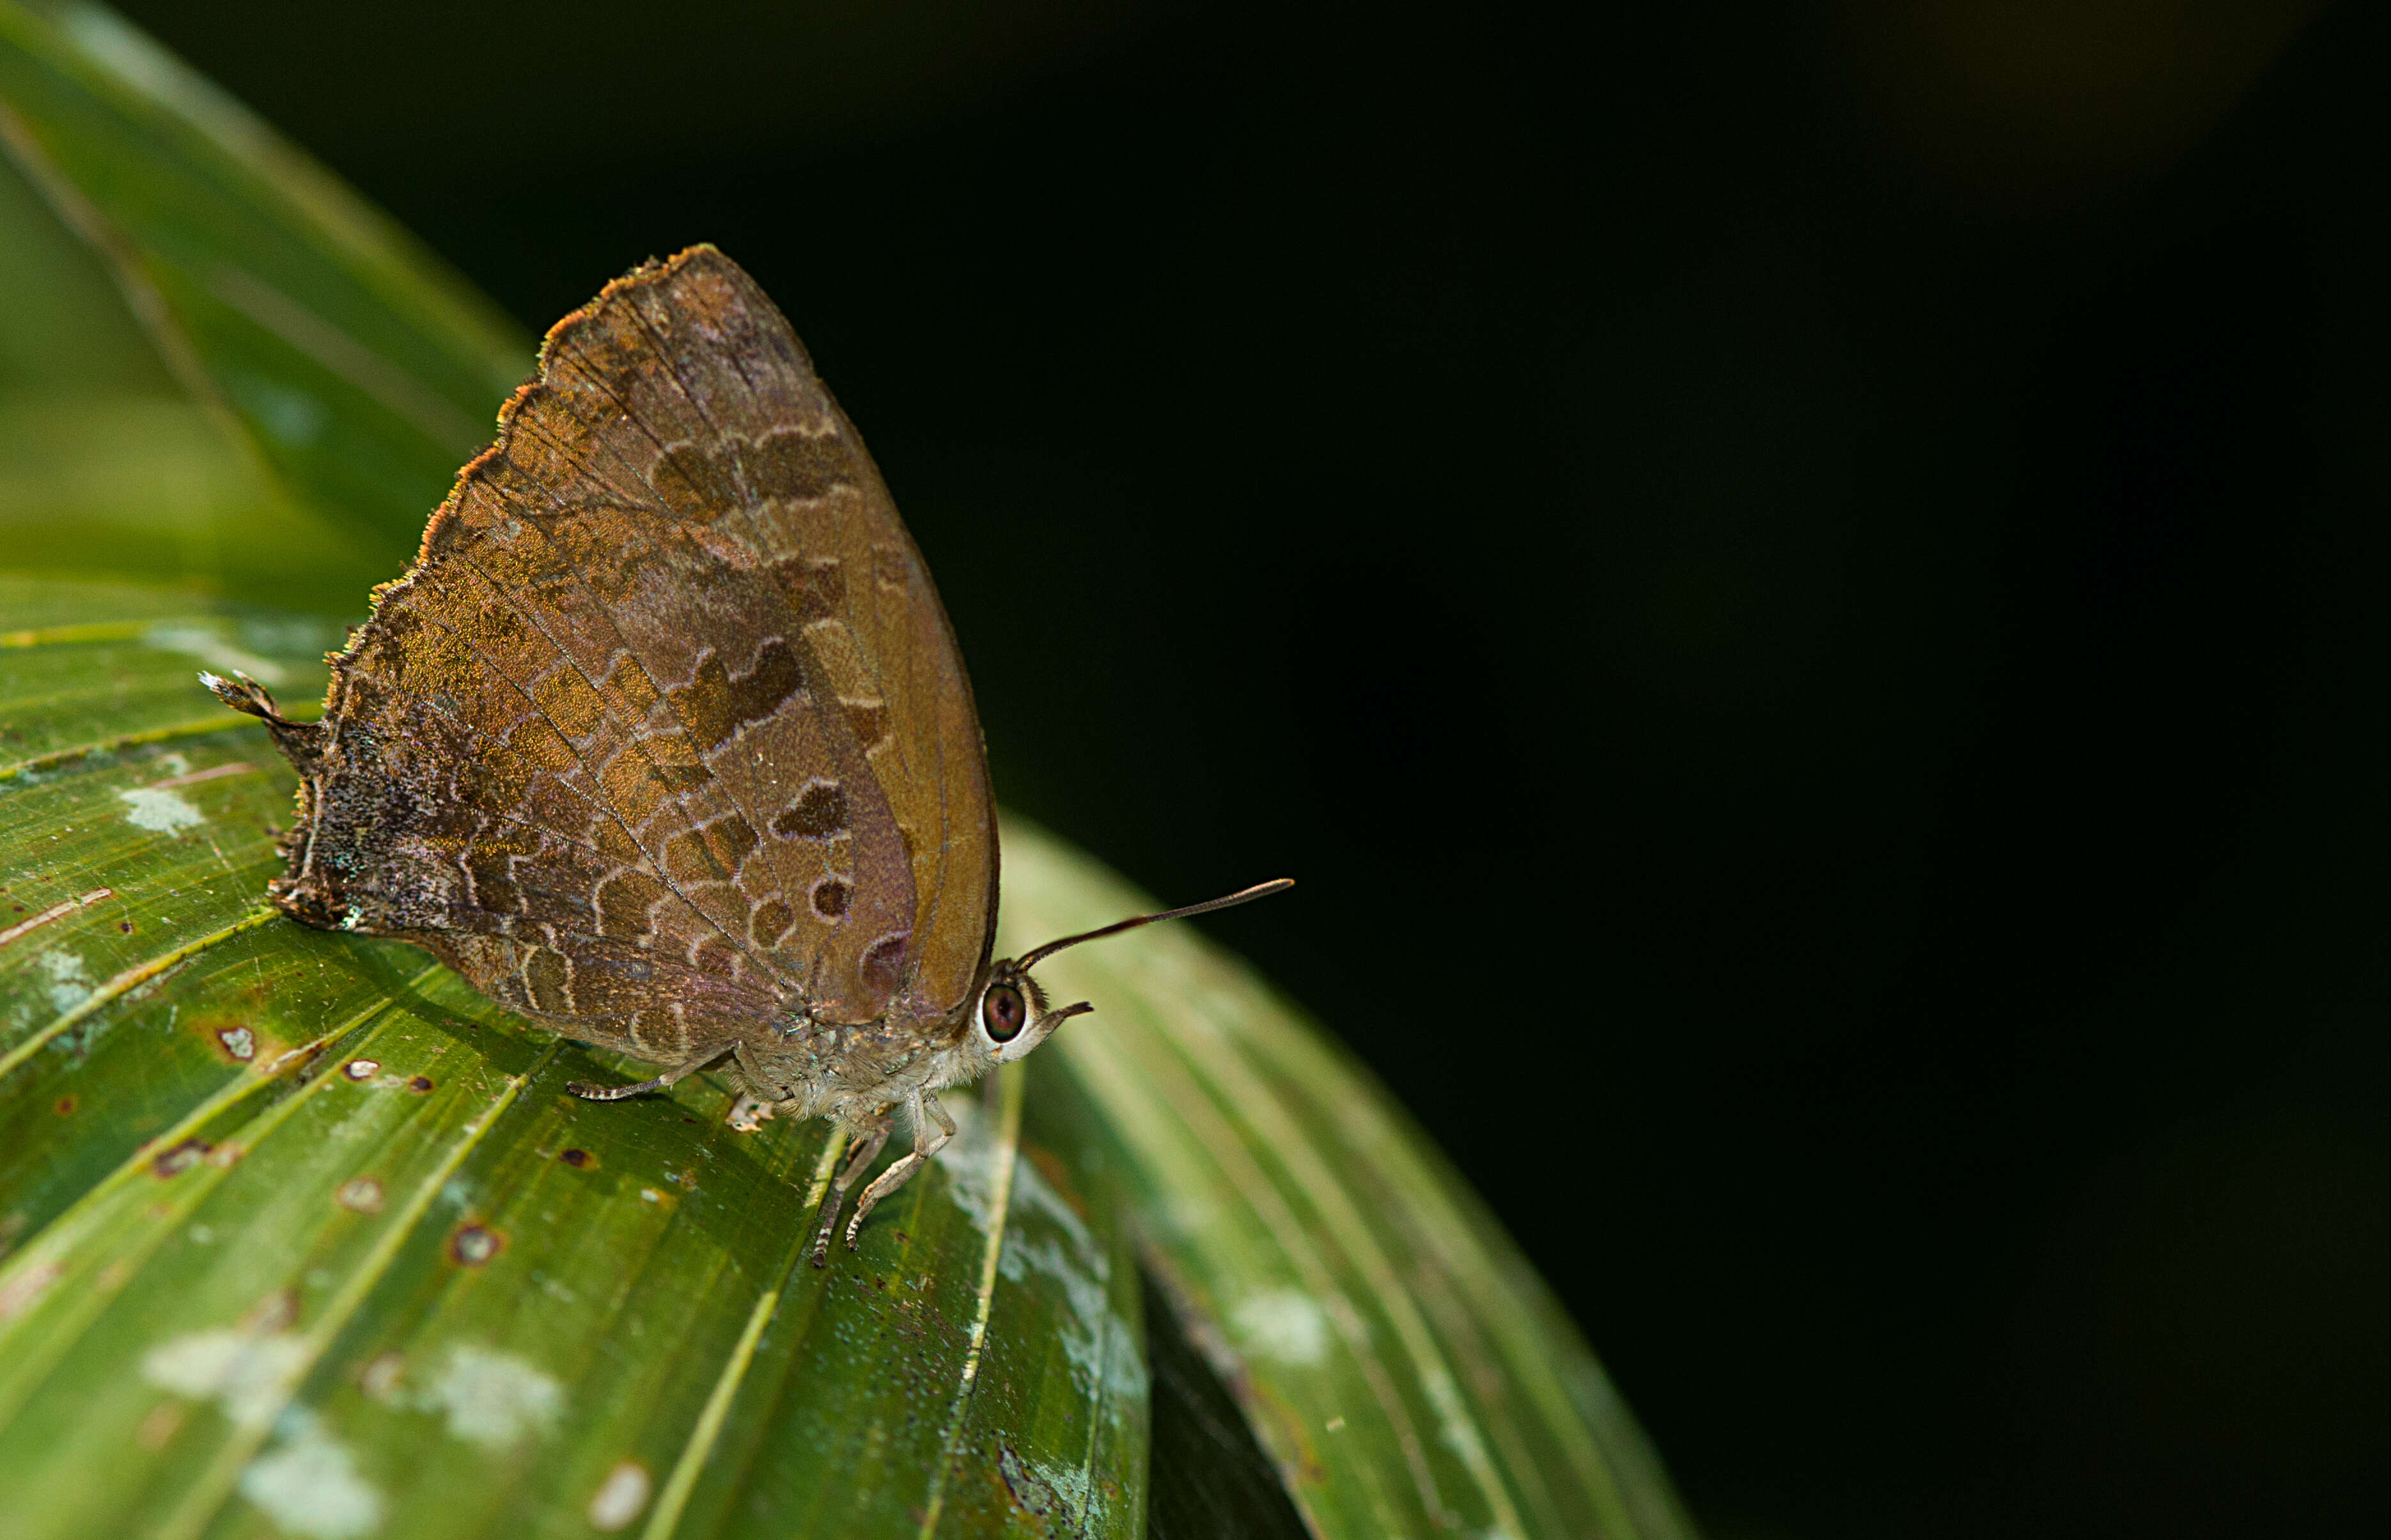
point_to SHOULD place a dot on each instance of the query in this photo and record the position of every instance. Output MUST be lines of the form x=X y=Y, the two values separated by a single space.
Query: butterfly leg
x=616 y=1093
x=868 y=1142
x=922 y=1106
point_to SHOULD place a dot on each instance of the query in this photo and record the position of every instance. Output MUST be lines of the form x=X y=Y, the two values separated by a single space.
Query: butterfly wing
x=429 y=814
x=713 y=734
x=706 y=378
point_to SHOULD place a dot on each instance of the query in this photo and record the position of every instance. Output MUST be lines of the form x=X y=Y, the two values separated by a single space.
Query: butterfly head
x=1011 y=1015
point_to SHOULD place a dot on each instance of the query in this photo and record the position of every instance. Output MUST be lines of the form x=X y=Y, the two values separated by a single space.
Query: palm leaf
x=299 y=1235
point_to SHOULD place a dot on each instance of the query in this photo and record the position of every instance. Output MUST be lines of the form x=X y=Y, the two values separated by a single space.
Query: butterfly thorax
x=807 y=1067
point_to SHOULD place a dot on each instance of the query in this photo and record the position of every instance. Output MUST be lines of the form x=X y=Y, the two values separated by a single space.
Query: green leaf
x=307 y=1234
x=1403 y=1366
x=300 y=1234
x=343 y=372
x=284 y=1204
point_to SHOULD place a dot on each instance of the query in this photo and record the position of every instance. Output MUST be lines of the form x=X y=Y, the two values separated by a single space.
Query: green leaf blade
x=256 y=1279
x=1398 y=1359
x=334 y=349
x=316 y=1207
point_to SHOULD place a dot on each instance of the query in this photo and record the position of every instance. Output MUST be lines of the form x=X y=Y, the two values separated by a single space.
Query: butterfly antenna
x=1259 y=890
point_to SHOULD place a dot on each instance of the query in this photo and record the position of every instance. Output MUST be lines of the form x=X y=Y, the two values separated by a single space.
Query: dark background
x=1802 y=588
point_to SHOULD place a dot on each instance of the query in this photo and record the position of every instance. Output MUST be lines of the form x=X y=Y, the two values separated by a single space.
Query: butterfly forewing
x=774 y=443
x=828 y=532
x=714 y=744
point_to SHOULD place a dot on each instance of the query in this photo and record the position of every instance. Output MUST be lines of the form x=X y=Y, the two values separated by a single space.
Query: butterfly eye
x=1001 y=1013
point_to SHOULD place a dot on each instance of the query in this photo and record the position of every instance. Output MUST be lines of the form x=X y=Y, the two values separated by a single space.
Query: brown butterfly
x=665 y=740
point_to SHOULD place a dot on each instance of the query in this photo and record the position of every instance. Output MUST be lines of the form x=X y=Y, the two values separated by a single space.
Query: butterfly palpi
x=665 y=740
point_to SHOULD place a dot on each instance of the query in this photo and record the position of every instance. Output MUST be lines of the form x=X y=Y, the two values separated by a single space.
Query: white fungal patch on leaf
x=69 y=984
x=493 y=1398
x=1072 y=1484
x=1057 y=1493
x=308 y=1483
x=249 y=1376
x=1033 y=1195
x=1284 y=1324
x=382 y=1378
x=162 y=813
x=621 y=1497
x=1047 y=1238
x=969 y=1160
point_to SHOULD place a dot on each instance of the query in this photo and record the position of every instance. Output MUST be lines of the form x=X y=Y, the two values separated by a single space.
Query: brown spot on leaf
x=362 y=1070
x=176 y=1160
x=579 y=1160
x=473 y=1245
x=360 y=1195
x=235 y=1039
x=830 y=896
x=419 y=1084
x=65 y=1106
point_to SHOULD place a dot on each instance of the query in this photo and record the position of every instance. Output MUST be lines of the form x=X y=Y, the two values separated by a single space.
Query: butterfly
x=666 y=742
